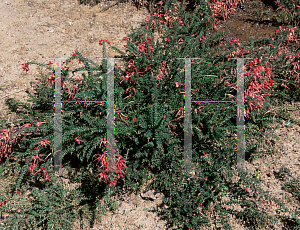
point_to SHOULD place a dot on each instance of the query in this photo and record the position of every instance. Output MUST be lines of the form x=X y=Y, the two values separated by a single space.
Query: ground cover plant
x=149 y=108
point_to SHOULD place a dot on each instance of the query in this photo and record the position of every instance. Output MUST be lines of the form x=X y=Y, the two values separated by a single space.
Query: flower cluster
x=33 y=165
x=104 y=40
x=256 y=88
x=169 y=18
x=25 y=67
x=7 y=139
x=119 y=165
x=222 y=10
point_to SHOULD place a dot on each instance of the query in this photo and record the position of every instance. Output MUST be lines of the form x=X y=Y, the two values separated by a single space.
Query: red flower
x=113 y=182
x=25 y=67
x=202 y=38
x=104 y=40
x=133 y=119
x=48 y=178
x=141 y=46
x=44 y=142
x=78 y=141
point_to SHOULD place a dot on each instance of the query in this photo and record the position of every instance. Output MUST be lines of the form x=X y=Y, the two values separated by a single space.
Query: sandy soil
x=36 y=30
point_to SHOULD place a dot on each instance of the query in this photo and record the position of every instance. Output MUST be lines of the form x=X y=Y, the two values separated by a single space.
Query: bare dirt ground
x=35 y=30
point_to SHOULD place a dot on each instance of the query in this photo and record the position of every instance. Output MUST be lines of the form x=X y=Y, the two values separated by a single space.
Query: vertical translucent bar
x=57 y=118
x=188 y=118
x=240 y=116
x=110 y=114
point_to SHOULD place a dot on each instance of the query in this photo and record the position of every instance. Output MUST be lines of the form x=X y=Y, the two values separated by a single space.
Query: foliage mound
x=149 y=126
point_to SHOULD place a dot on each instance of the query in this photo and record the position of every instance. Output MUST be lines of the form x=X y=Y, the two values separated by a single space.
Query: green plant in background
x=50 y=207
x=257 y=174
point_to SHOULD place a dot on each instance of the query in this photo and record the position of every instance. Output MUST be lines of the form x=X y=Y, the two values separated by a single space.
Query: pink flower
x=104 y=40
x=27 y=125
x=202 y=38
x=113 y=182
x=141 y=47
x=48 y=178
x=44 y=142
x=25 y=67
x=78 y=141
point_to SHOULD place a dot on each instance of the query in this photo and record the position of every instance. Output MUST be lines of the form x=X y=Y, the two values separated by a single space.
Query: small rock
x=149 y=194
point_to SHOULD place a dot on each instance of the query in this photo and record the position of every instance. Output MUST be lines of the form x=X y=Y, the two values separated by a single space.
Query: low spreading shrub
x=149 y=125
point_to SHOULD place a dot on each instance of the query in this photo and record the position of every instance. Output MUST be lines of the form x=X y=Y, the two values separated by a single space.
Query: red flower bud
x=133 y=119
